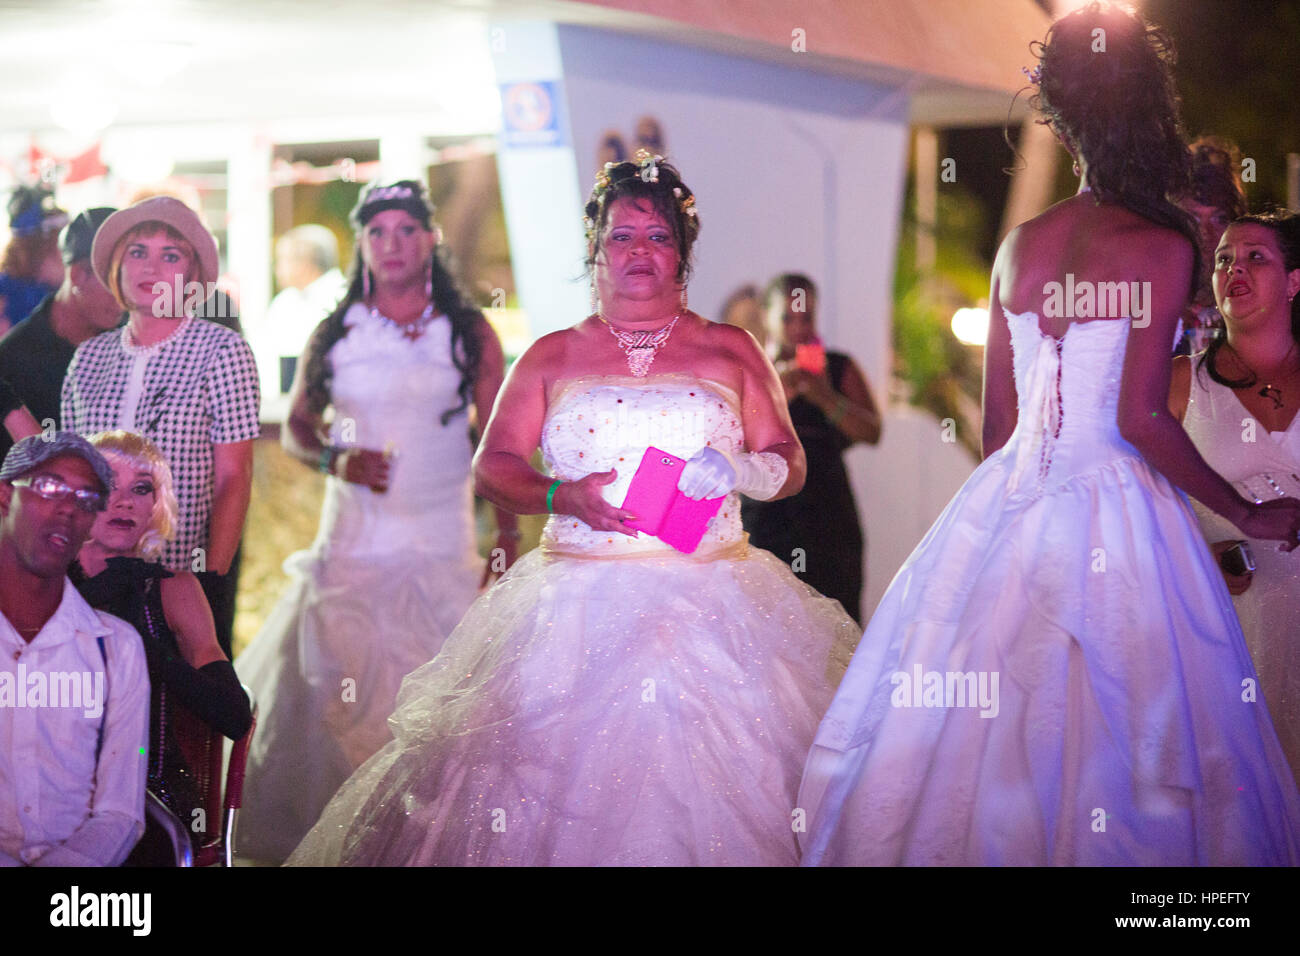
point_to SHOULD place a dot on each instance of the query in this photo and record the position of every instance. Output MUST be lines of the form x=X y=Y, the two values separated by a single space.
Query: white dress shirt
x=57 y=807
x=283 y=332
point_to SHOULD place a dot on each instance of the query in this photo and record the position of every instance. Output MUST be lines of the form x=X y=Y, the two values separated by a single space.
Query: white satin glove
x=711 y=473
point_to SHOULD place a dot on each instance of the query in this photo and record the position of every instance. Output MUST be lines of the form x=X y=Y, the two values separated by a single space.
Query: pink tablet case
x=661 y=509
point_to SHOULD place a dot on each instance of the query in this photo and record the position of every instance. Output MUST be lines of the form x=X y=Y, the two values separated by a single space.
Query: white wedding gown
x=1263 y=465
x=386 y=580
x=609 y=701
x=1120 y=720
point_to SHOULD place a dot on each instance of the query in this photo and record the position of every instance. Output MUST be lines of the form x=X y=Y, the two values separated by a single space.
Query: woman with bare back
x=1056 y=675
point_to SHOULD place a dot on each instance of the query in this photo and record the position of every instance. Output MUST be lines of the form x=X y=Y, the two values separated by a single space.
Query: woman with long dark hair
x=381 y=404
x=1056 y=674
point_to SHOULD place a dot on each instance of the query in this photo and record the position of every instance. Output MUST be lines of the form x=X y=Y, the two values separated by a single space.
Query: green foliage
x=943 y=376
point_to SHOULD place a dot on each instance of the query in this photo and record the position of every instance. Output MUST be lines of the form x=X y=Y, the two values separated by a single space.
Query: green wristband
x=550 y=496
x=327 y=459
x=837 y=413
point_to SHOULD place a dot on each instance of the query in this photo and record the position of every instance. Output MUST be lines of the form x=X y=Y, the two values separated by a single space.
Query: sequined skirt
x=590 y=712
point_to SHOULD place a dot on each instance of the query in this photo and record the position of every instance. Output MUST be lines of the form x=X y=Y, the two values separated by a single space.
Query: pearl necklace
x=412 y=330
x=130 y=346
x=641 y=347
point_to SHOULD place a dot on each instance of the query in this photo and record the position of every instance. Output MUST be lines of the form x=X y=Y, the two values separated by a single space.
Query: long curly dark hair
x=1106 y=86
x=448 y=298
x=1216 y=176
x=1286 y=227
x=669 y=196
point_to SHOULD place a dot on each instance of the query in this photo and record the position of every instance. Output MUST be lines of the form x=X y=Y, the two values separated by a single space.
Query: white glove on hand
x=709 y=474
x=712 y=473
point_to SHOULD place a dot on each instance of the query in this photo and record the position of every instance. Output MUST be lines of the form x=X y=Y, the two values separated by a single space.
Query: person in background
x=117 y=571
x=72 y=765
x=382 y=404
x=1238 y=402
x=1214 y=199
x=34 y=357
x=311 y=285
x=220 y=306
x=186 y=384
x=818 y=531
x=744 y=310
x=31 y=267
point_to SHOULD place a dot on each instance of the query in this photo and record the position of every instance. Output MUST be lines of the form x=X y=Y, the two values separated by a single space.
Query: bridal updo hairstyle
x=1106 y=87
x=410 y=196
x=654 y=181
x=1285 y=227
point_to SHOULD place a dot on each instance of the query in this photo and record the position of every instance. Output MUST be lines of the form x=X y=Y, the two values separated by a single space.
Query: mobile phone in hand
x=811 y=357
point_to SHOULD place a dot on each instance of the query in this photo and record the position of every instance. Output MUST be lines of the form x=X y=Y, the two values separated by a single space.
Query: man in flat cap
x=74 y=688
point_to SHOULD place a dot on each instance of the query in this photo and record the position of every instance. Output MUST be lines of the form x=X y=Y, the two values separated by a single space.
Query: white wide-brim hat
x=162 y=209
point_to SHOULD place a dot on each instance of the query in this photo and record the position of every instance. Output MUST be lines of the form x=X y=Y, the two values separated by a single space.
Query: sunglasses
x=52 y=489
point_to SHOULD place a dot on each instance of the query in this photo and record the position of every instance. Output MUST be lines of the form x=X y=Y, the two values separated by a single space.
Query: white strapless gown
x=386 y=580
x=609 y=701
x=1056 y=674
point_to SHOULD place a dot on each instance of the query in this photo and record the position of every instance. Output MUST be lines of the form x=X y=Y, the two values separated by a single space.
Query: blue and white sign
x=531 y=114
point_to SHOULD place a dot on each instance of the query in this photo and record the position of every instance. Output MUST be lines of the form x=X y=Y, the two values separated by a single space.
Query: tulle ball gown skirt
x=626 y=711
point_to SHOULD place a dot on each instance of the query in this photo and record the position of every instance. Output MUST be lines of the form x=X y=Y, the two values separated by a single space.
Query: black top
x=817 y=531
x=33 y=360
x=130 y=588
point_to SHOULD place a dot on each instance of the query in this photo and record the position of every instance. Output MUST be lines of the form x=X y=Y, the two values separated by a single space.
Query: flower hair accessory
x=1035 y=75
x=649 y=165
x=686 y=205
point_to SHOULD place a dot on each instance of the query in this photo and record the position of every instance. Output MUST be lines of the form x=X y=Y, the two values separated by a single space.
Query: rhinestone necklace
x=641 y=347
x=412 y=330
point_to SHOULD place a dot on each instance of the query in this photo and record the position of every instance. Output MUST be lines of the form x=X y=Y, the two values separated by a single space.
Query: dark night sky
x=1239 y=74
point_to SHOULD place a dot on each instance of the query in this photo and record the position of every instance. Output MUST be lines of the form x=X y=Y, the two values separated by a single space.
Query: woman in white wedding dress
x=1056 y=674
x=1238 y=402
x=613 y=700
x=393 y=567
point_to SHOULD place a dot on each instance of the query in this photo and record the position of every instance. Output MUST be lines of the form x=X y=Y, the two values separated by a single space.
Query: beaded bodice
x=602 y=422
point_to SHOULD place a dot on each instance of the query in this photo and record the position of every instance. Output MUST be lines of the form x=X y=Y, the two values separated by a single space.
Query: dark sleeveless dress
x=130 y=588
x=817 y=531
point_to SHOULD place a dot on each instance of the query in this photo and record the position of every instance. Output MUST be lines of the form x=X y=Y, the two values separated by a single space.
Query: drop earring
x=428 y=283
x=1076 y=168
x=595 y=298
x=684 y=298
x=365 y=284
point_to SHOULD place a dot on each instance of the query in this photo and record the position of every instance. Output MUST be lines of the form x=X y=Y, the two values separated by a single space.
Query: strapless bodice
x=602 y=422
x=1067 y=400
x=389 y=393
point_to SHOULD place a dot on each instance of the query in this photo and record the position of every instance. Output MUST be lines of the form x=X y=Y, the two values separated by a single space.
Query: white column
x=248 y=226
x=540 y=189
x=403 y=155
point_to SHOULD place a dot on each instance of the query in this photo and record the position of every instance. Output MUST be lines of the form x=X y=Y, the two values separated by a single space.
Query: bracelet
x=550 y=496
x=327 y=455
x=837 y=413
